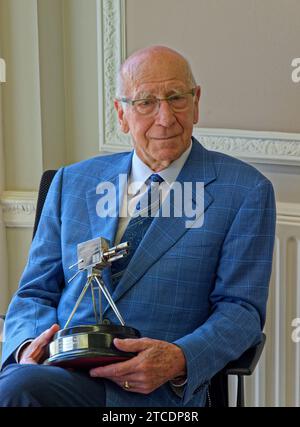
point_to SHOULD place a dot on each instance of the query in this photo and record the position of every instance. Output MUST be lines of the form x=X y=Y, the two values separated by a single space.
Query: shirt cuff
x=17 y=352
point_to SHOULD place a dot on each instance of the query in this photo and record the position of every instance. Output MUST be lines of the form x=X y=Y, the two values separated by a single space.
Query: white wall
x=240 y=50
x=21 y=95
x=3 y=247
x=49 y=104
x=81 y=80
x=241 y=53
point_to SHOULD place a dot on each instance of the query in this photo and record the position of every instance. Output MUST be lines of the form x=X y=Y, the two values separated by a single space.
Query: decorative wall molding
x=251 y=146
x=19 y=208
x=111 y=53
x=288 y=213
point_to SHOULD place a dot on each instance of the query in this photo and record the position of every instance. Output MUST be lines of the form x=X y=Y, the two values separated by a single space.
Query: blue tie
x=138 y=226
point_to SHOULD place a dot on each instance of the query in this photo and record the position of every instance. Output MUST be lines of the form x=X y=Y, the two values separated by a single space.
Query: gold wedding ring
x=126 y=385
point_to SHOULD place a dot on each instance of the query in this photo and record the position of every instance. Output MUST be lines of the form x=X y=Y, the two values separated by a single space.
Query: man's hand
x=156 y=363
x=35 y=351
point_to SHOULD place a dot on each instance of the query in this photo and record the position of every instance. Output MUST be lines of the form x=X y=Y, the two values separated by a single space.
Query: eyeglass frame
x=132 y=102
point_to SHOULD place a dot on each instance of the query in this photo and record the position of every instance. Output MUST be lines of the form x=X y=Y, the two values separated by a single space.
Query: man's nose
x=165 y=115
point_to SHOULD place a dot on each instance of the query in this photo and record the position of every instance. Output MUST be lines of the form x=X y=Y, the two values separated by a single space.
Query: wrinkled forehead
x=156 y=73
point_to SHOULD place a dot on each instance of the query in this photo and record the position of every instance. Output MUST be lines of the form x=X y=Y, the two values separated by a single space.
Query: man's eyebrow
x=175 y=91
x=145 y=95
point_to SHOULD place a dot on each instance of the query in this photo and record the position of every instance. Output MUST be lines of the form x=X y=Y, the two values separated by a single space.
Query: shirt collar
x=140 y=172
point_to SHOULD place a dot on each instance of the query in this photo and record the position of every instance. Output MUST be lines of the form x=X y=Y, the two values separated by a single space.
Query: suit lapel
x=104 y=222
x=165 y=231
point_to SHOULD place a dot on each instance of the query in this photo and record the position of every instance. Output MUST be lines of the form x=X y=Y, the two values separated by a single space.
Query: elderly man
x=196 y=293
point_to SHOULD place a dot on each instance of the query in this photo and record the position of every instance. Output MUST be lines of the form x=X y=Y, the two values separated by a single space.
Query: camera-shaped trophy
x=88 y=346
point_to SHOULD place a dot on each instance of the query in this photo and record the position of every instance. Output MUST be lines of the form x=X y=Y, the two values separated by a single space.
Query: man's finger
x=47 y=335
x=115 y=369
x=132 y=344
x=123 y=368
x=35 y=350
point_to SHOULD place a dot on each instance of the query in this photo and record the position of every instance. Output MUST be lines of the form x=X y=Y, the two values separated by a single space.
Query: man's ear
x=196 y=104
x=121 y=116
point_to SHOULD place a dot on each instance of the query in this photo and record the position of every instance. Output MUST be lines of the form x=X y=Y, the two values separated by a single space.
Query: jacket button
x=106 y=322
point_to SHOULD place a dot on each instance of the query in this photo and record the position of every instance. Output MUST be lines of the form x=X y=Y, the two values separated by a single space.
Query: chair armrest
x=247 y=362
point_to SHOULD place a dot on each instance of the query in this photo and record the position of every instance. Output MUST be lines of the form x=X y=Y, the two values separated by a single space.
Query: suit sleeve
x=238 y=301
x=33 y=307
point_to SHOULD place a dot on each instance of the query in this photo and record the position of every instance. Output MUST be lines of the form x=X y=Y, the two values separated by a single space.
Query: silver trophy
x=87 y=346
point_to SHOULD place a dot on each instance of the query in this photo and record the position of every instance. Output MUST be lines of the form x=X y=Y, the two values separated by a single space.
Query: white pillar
x=3 y=253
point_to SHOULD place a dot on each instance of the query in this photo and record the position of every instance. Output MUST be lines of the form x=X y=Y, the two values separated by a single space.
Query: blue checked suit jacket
x=204 y=288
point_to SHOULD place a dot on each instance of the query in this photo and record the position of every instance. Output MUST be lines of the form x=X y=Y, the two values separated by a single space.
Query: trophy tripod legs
x=94 y=306
x=102 y=288
x=109 y=299
x=86 y=286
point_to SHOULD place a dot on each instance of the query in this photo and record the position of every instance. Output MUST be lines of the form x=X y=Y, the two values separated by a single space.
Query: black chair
x=218 y=388
x=45 y=183
x=243 y=366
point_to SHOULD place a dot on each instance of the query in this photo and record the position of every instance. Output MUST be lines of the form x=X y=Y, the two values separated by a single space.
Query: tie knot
x=155 y=178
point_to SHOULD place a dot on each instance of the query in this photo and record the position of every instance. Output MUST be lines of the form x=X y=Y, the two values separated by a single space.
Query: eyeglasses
x=150 y=106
